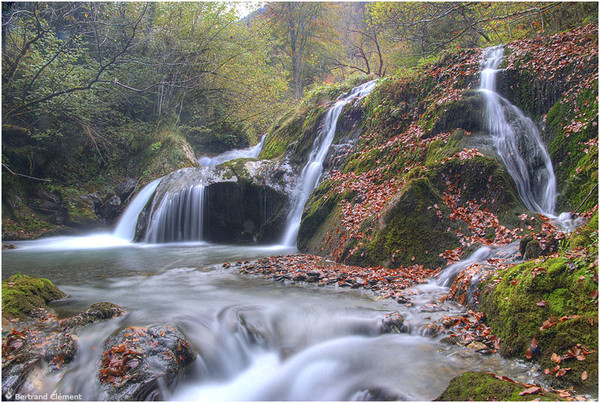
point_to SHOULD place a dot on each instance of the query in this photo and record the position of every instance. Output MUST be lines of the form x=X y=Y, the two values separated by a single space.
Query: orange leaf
x=584 y=375
x=528 y=354
x=530 y=391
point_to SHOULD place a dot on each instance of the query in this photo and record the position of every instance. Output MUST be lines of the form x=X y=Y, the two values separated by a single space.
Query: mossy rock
x=529 y=294
x=482 y=386
x=410 y=227
x=576 y=170
x=22 y=294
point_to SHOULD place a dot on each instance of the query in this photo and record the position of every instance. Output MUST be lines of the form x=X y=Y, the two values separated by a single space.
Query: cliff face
x=423 y=184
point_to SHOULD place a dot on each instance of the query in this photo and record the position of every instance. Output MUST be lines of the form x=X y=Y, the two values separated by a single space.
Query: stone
x=125 y=189
x=111 y=208
x=137 y=360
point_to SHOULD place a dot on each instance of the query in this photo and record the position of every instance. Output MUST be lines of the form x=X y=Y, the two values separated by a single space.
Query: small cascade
x=518 y=142
x=179 y=218
x=125 y=228
x=251 y=152
x=311 y=173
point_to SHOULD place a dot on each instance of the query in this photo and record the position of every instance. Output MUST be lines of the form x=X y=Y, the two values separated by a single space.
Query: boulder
x=110 y=208
x=125 y=189
x=137 y=361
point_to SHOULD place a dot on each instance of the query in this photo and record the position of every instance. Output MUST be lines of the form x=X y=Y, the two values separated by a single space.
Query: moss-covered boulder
x=546 y=310
x=483 y=386
x=22 y=294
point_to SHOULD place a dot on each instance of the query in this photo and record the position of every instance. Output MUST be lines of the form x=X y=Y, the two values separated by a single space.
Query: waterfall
x=251 y=152
x=125 y=228
x=179 y=218
x=518 y=142
x=311 y=173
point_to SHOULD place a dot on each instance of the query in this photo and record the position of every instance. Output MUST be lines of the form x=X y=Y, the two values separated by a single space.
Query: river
x=318 y=343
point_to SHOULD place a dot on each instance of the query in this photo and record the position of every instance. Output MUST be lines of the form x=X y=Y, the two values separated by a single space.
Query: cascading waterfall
x=518 y=142
x=251 y=152
x=125 y=228
x=179 y=218
x=311 y=173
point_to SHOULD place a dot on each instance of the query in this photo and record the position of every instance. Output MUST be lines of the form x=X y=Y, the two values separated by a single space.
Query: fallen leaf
x=584 y=375
x=530 y=391
x=541 y=303
x=528 y=354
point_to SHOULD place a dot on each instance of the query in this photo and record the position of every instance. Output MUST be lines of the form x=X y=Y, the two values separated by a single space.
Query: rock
x=125 y=189
x=7 y=246
x=240 y=203
x=81 y=212
x=477 y=345
x=18 y=361
x=22 y=294
x=110 y=208
x=482 y=386
x=392 y=322
x=96 y=312
x=44 y=343
x=137 y=360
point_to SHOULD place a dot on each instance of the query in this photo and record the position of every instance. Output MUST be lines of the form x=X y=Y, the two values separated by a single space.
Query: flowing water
x=251 y=152
x=311 y=173
x=255 y=340
x=126 y=227
x=518 y=142
x=179 y=218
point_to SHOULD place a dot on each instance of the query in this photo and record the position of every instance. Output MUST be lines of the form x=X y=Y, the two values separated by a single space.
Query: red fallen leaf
x=584 y=375
x=528 y=354
x=562 y=372
x=547 y=371
x=541 y=303
x=563 y=393
x=530 y=391
x=534 y=344
x=556 y=358
x=594 y=294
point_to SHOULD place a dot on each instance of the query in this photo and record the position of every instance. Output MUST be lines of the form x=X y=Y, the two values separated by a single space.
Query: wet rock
x=18 y=361
x=7 y=246
x=110 y=208
x=379 y=394
x=62 y=350
x=138 y=360
x=531 y=248
x=96 y=312
x=393 y=323
x=125 y=188
x=477 y=345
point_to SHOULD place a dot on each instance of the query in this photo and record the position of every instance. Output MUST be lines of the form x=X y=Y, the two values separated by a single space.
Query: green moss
x=531 y=293
x=412 y=229
x=22 y=294
x=481 y=386
x=576 y=171
x=317 y=214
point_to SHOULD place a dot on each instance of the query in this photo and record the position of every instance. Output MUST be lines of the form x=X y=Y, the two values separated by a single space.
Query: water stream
x=518 y=142
x=311 y=173
x=315 y=343
x=251 y=152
